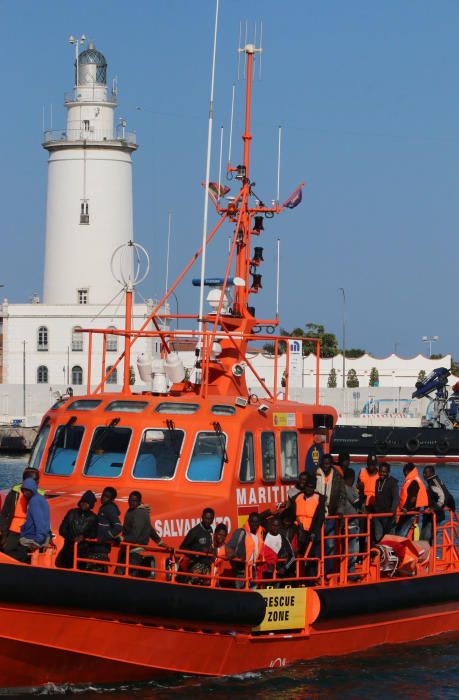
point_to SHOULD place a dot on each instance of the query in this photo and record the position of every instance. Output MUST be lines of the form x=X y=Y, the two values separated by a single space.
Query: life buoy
x=412 y=445
x=442 y=446
x=381 y=447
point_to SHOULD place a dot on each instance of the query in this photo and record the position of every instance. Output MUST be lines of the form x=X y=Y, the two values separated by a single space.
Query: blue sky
x=368 y=98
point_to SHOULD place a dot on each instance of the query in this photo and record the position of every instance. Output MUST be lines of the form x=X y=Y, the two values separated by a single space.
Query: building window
x=112 y=341
x=77 y=375
x=82 y=296
x=42 y=375
x=86 y=124
x=77 y=339
x=113 y=378
x=42 y=339
x=84 y=212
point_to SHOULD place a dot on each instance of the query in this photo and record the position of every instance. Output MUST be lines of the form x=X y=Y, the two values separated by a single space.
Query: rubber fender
x=412 y=445
x=442 y=446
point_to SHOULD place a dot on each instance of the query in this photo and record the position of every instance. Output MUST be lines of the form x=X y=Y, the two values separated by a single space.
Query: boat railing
x=282 y=347
x=341 y=557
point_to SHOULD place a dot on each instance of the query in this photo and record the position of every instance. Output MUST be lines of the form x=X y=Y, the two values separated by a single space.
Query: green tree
x=352 y=380
x=437 y=356
x=332 y=379
x=422 y=375
x=355 y=352
x=454 y=367
x=374 y=377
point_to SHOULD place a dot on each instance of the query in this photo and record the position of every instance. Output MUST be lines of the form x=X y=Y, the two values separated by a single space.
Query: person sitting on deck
x=277 y=553
x=413 y=496
x=386 y=501
x=35 y=531
x=137 y=529
x=439 y=499
x=108 y=528
x=79 y=523
x=14 y=509
x=245 y=545
x=219 y=563
x=366 y=483
x=199 y=539
x=330 y=485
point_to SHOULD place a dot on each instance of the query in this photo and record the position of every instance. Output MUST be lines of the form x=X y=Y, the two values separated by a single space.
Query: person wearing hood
x=108 y=528
x=137 y=529
x=14 y=509
x=79 y=523
x=35 y=531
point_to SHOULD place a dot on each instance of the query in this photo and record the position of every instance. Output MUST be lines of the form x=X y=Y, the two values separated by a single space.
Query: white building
x=88 y=215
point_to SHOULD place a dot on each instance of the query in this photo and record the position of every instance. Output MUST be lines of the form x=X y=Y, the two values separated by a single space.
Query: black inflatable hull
x=388 y=596
x=428 y=442
x=67 y=589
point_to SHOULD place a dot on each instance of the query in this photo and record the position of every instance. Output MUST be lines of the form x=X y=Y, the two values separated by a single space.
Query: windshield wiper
x=219 y=432
x=173 y=433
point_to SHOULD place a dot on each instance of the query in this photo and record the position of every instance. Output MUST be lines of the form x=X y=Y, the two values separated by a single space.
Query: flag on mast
x=295 y=198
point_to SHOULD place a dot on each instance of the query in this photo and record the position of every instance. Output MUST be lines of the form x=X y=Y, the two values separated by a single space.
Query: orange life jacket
x=422 y=499
x=250 y=544
x=220 y=561
x=305 y=509
x=20 y=513
x=369 y=485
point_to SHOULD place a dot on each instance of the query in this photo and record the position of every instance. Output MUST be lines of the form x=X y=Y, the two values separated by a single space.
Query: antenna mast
x=206 y=185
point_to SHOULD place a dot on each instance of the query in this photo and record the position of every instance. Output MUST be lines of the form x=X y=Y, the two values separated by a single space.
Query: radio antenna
x=245 y=44
x=220 y=163
x=239 y=47
x=206 y=186
x=231 y=124
x=261 y=49
x=277 y=278
x=279 y=137
x=169 y=231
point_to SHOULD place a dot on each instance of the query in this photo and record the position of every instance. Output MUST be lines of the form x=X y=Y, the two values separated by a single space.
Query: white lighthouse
x=89 y=203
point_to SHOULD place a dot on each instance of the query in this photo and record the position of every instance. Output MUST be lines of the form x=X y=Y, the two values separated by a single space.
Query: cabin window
x=247 y=465
x=289 y=455
x=174 y=407
x=59 y=403
x=268 y=456
x=127 y=406
x=63 y=452
x=158 y=454
x=84 y=405
x=221 y=409
x=108 y=451
x=39 y=447
x=206 y=463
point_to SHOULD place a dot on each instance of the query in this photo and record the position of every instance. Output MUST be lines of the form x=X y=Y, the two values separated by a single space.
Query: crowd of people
x=265 y=547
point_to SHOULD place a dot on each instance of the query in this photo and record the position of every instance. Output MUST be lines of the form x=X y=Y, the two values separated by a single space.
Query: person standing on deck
x=199 y=539
x=108 y=528
x=439 y=499
x=79 y=523
x=137 y=530
x=386 y=501
x=413 y=497
x=330 y=485
x=245 y=545
x=351 y=506
x=367 y=483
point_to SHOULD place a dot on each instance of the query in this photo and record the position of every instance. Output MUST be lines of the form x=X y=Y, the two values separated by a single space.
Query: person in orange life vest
x=245 y=545
x=277 y=553
x=413 y=496
x=310 y=514
x=220 y=535
x=14 y=509
x=295 y=490
x=366 y=484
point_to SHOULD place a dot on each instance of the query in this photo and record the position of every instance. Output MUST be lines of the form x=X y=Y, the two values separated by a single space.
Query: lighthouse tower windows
x=84 y=212
x=83 y=296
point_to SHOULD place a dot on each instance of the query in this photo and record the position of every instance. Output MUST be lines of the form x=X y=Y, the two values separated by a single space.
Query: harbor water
x=423 y=670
